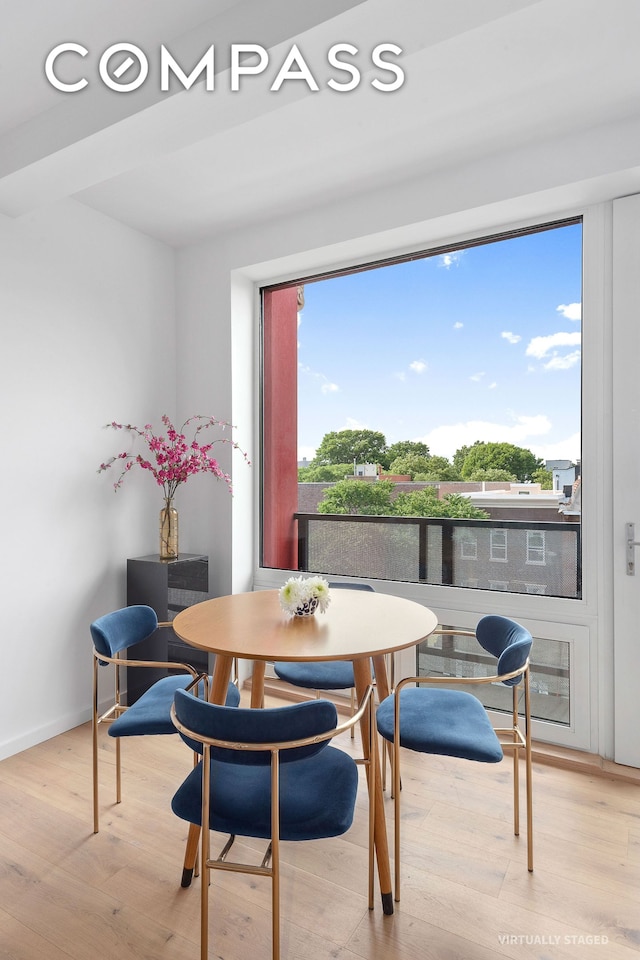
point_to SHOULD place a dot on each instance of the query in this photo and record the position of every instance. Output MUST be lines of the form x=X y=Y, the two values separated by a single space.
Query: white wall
x=88 y=336
x=204 y=387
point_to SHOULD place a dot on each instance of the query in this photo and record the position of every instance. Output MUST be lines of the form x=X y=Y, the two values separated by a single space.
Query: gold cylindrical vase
x=168 y=531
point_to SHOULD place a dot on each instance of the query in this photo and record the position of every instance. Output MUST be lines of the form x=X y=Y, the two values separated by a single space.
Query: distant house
x=564 y=473
x=520 y=501
x=373 y=471
x=571 y=507
x=368 y=470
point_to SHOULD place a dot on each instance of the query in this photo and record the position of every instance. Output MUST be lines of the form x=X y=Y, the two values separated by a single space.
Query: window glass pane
x=469 y=547
x=441 y=394
x=535 y=547
x=498 y=549
x=455 y=656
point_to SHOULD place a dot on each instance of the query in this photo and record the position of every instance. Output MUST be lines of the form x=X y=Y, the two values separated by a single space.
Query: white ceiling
x=482 y=77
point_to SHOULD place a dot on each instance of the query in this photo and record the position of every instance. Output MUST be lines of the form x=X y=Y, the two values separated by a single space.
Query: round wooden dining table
x=358 y=625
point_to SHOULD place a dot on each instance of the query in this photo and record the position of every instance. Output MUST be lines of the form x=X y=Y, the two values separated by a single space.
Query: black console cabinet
x=168 y=586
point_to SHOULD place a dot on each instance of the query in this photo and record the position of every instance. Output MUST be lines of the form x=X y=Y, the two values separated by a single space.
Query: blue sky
x=479 y=344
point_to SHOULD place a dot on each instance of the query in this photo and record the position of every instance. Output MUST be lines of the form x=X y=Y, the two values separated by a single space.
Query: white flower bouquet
x=302 y=596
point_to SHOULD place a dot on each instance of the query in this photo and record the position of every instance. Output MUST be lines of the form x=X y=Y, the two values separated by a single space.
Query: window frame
x=540 y=550
x=493 y=534
x=469 y=541
x=484 y=237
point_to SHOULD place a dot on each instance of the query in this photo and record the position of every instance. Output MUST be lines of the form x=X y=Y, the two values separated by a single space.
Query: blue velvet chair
x=327 y=675
x=454 y=723
x=150 y=715
x=270 y=774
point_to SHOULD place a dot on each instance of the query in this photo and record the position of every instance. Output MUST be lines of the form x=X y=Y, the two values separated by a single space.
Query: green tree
x=425 y=503
x=404 y=447
x=500 y=456
x=460 y=506
x=362 y=497
x=330 y=472
x=410 y=463
x=438 y=468
x=345 y=446
x=544 y=478
x=460 y=456
x=492 y=473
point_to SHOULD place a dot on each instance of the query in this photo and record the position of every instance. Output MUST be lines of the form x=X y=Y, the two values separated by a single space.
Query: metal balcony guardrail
x=537 y=557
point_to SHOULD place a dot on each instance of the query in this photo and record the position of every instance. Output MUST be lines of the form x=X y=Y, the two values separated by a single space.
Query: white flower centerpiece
x=301 y=597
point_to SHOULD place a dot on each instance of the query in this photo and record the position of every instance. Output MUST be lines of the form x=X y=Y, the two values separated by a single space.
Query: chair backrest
x=121 y=629
x=209 y=721
x=506 y=640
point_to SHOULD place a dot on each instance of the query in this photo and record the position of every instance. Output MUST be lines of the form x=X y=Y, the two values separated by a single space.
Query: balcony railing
x=511 y=555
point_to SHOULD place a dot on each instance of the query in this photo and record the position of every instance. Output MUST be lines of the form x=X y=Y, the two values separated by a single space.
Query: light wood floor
x=67 y=893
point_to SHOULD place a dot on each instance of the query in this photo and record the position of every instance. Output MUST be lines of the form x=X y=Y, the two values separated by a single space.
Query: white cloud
x=418 y=366
x=445 y=440
x=563 y=363
x=511 y=337
x=451 y=259
x=326 y=386
x=353 y=424
x=477 y=377
x=568 y=449
x=532 y=426
x=572 y=311
x=541 y=347
x=492 y=386
x=458 y=325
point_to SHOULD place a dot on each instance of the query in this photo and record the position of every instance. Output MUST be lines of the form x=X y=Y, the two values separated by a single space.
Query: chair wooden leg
x=362 y=671
x=257 y=686
x=191 y=855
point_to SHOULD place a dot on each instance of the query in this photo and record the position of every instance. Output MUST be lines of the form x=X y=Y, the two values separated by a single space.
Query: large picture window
x=421 y=413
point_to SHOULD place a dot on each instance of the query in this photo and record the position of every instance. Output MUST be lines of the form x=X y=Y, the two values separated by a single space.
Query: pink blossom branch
x=175 y=458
